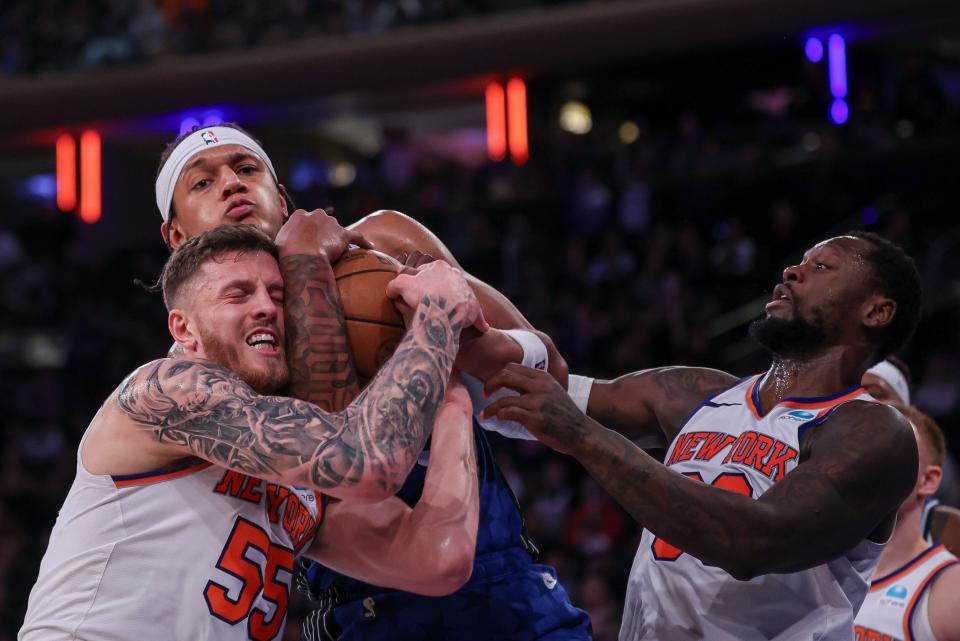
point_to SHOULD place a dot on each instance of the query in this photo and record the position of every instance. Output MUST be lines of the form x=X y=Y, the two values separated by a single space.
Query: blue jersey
x=508 y=596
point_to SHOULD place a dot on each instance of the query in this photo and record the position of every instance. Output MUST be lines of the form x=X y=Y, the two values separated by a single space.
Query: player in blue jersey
x=508 y=595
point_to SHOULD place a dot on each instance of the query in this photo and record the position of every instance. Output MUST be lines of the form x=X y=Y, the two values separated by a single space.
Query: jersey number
x=735 y=482
x=255 y=578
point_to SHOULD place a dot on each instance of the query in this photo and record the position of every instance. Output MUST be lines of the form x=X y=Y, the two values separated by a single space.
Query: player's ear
x=284 y=205
x=879 y=311
x=176 y=234
x=182 y=329
x=930 y=478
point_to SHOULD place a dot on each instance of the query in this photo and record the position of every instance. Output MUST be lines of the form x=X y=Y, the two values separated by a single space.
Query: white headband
x=894 y=378
x=192 y=144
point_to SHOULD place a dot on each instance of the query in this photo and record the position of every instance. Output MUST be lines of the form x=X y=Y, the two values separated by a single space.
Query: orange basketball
x=374 y=326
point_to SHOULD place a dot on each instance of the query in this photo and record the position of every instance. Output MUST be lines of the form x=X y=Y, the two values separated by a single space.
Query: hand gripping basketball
x=316 y=233
x=438 y=280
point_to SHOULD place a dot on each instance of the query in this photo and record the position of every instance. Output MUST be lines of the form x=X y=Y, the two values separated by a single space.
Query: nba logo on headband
x=209 y=137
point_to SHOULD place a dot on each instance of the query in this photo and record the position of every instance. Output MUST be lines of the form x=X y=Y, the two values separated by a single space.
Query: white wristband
x=578 y=388
x=534 y=351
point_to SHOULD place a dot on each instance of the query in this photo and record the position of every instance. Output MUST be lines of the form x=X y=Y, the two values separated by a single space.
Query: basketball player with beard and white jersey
x=197 y=488
x=778 y=490
x=915 y=591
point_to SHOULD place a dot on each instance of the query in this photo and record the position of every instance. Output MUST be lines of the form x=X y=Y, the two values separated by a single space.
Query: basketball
x=374 y=326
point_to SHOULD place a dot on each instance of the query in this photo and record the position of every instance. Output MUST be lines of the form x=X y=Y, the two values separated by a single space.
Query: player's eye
x=820 y=265
x=200 y=184
x=247 y=169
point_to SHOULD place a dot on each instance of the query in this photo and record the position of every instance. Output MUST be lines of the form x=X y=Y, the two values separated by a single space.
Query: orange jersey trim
x=825 y=403
x=896 y=574
x=130 y=480
x=908 y=615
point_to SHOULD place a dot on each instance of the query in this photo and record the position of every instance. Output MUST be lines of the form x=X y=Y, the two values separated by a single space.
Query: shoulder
x=868 y=442
x=398 y=234
x=944 y=605
x=870 y=419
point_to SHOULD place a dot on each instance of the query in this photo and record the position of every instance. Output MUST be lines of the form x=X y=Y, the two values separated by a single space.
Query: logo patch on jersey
x=368 y=608
x=798 y=415
x=209 y=138
x=549 y=580
x=897 y=592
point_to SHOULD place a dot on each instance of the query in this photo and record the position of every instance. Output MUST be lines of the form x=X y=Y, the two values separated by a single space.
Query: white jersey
x=729 y=442
x=896 y=605
x=196 y=553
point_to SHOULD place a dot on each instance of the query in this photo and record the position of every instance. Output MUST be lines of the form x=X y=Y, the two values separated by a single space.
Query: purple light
x=187 y=125
x=814 y=49
x=870 y=216
x=839 y=112
x=838 y=66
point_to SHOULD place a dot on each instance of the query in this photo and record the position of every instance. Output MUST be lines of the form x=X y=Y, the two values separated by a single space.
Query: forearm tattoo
x=213 y=414
x=321 y=367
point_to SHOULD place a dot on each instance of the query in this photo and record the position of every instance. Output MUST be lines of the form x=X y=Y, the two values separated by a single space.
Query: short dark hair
x=895 y=276
x=186 y=260
x=168 y=151
x=930 y=433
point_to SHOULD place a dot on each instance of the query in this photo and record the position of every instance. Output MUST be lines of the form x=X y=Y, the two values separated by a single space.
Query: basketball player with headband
x=221 y=175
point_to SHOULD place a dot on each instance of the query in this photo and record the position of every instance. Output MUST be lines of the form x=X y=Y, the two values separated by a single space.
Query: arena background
x=678 y=155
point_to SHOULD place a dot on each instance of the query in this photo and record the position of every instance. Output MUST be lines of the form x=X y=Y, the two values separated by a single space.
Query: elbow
x=452 y=570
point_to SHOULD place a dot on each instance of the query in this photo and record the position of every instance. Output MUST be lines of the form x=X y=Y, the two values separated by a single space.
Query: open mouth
x=264 y=342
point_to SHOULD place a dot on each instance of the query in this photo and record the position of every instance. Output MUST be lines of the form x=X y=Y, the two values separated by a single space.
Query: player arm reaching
x=624 y=404
x=321 y=367
x=483 y=355
x=195 y=407
x=427 y=549
x=855 y=469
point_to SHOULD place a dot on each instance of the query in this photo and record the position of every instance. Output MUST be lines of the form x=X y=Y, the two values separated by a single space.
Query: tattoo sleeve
x=364 y=452
x=321 y=367
x=861 y=465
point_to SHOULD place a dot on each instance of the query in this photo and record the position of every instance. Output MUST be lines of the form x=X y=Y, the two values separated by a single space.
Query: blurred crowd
x=55 y=35
x=655 y=252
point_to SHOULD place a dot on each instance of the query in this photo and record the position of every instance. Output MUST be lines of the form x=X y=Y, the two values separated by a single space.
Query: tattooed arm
x=321 y=367
x=427 y=549
x=651 y=405
x=855 y=470
x=365 y=452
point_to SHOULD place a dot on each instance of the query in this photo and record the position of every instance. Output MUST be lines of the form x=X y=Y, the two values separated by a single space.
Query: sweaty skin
x=854 y=469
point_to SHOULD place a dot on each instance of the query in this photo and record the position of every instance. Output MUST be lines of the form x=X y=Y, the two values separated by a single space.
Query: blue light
x=42 y=186
x=838 y=66
x=187 y=125
x=302 y=175
x=870 y=216
x=814 y=49
x=212 y=117
x=839 y=111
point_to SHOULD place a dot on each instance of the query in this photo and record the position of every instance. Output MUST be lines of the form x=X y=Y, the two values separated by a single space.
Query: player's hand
x=414 y=260
x=543 y=407
x=316 y=233
x=440 y=281
x=484 y=354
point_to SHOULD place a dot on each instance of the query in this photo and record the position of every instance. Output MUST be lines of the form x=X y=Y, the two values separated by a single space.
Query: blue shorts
x=507 y=598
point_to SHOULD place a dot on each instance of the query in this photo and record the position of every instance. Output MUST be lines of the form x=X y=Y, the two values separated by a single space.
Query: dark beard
x=793 y=339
